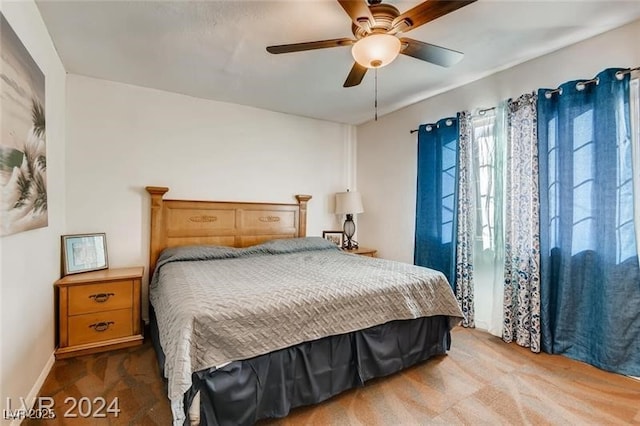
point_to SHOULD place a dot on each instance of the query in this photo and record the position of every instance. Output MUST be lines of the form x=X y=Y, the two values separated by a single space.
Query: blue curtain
x=590 y=278
x=436 y=202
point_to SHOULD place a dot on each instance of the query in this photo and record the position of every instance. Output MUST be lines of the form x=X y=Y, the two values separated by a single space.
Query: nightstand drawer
x=101 y=326
x=100 y=297
x=99 y=311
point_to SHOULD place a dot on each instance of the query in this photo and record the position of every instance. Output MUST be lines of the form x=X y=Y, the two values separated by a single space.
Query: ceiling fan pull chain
x=376 y=93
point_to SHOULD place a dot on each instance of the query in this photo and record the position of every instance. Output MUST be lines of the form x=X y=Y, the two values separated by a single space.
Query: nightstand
x=99 y=311
x=363 y=251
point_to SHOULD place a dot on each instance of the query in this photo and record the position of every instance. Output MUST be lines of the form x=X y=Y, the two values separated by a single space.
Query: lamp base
x=350 y=245
x=349 y=229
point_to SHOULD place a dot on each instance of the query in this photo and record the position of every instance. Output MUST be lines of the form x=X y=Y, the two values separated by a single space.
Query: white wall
x=386 y=151
x=31 y=260
x=122 y=138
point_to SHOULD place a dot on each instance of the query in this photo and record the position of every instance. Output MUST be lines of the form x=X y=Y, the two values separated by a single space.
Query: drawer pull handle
x=101 y=326
x=101 y=297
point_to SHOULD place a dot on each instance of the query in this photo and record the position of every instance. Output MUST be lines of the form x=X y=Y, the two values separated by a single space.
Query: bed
x=250 y=318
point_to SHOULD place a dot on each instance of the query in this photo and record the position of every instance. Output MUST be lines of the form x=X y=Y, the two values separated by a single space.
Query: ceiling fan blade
x=355 y=75
x=430 y=52
x=357 y=10
x=312 y=45
x=426 y=12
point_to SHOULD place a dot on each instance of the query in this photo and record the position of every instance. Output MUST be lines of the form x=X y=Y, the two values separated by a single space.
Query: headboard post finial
x=156 y=192
x=302 y=201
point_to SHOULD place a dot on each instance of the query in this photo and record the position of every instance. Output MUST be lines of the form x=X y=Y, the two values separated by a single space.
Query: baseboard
x=35 y=390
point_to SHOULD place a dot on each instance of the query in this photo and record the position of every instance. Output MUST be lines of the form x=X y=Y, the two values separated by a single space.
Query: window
x=584 y=182
x=448 y=188
x=484 y=157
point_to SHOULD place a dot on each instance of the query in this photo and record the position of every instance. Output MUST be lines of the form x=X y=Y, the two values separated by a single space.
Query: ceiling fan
x=376 y=27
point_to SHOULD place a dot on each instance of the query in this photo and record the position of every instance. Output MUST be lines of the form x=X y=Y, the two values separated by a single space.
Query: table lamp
x=349 y=203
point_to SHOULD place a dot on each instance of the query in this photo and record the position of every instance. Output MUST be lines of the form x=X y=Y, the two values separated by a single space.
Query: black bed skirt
x=270 y=385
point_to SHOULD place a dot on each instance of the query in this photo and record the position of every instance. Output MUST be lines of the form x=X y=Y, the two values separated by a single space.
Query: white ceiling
x=216 y=49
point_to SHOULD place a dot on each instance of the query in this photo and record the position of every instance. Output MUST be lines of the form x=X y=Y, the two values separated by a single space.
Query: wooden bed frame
x=235 y=224
x=240 y=224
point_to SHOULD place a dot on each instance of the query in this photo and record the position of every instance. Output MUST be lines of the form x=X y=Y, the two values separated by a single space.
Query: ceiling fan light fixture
x=376 y=50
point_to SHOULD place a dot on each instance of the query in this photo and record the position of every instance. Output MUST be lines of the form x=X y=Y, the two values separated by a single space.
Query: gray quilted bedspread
x=216 y=304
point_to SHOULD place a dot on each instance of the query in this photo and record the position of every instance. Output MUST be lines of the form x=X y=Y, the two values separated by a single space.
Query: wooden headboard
x=235 y=224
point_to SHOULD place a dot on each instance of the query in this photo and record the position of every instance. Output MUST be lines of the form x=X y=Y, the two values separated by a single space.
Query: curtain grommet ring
x=580 y=86
x=449 y=122
x=549 y=93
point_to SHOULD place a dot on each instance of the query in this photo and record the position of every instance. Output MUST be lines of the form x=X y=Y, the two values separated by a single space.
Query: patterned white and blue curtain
x=465 y=228
x=590 y=279
x=522 y=226
x=436 y=198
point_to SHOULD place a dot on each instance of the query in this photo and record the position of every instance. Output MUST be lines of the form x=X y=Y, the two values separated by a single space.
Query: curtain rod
x=580 y=86
x=449 y=121
x=619 y=74
x=482 y=111
x=485 y=110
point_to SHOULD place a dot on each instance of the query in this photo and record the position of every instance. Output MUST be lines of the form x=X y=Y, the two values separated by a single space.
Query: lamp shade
x=349 y=203
x=376 y=50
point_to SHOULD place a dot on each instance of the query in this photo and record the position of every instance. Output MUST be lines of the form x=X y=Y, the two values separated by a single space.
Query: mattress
x=216 y=305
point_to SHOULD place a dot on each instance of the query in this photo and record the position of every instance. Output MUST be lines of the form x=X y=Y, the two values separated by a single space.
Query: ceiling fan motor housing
x=383 y=14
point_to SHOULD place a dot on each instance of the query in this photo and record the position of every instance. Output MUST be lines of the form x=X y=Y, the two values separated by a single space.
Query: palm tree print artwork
x=23 y=153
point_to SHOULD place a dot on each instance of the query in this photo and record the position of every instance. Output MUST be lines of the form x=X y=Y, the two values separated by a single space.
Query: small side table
x=99 y=311
x=363 y=251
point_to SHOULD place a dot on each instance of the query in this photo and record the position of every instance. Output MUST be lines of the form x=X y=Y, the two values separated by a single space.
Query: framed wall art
x=23 y=153
x=84 y=252
x=336 y=237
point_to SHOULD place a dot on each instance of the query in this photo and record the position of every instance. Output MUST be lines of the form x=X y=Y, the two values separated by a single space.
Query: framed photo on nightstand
x=84 y=252
x=336 y=237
